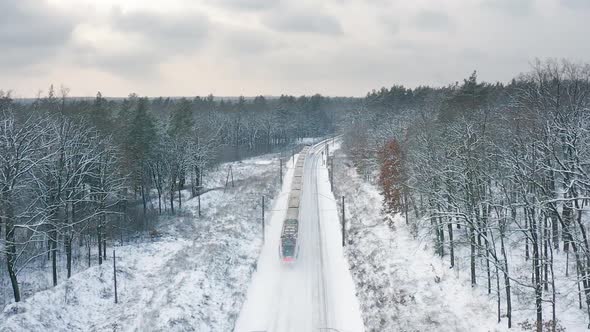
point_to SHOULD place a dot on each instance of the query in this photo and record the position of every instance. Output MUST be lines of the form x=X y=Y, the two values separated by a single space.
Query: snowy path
x=317 y=292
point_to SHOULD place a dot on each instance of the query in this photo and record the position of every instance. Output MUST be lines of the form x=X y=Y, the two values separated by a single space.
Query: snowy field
x=192 y=278
x=402 y=285
x=197 y=275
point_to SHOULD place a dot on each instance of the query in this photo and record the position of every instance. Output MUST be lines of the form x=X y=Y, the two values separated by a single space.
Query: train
x=289 y=244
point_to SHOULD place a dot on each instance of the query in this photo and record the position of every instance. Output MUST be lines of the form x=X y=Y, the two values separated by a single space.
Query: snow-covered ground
x=402 y=285
x=199 y=273
x=193 y=278
x=316 y=293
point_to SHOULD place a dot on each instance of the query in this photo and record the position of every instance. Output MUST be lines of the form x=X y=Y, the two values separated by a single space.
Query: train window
x=288 y=247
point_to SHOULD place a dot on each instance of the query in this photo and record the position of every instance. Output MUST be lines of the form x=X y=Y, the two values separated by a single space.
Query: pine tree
x=101 y=114
x=181 y=119
x=138 y=145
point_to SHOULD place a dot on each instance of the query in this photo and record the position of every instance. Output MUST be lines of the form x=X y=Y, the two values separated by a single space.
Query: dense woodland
x=77 y=174
x=499 y=172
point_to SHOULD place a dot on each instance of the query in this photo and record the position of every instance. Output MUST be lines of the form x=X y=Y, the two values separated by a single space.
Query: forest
x=79 y=174
x=496 y=174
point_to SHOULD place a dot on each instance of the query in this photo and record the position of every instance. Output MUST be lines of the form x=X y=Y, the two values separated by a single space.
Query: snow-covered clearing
x=193 y=278
x=316 y=293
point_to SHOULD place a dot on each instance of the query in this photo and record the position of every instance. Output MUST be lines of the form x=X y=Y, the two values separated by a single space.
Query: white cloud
x=576 y=4
x=513 y=7
x=303 y=20
x=31 y=32
x=136 y=43
x=247 y=4
x=432 y=20
x=229 y=47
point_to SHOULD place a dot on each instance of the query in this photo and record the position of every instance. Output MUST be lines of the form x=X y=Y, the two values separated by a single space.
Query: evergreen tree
x=181 y=119
x=101 y=114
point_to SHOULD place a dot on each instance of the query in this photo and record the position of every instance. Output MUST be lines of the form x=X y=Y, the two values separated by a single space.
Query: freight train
x=289 y=244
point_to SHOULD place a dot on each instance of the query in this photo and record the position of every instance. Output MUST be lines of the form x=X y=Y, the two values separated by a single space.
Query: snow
x=402 y=285
x=193 y=278
x=317 y=291
x=214 y=273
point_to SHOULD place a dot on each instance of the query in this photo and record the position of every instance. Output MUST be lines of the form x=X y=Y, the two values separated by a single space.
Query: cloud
x=513 y=7
x=273 y=47
x=411 y=46
x=247 y=4
x=431 y=20
x=391 y=25
x=127 y=64
x=576 y=4
x=308 y=21
x=32 y=32
x=249 y=42
x=171 y=32
x=134 y=44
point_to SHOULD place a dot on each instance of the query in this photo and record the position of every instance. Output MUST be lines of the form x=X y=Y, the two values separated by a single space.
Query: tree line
x=77 y=172
x=500 y=171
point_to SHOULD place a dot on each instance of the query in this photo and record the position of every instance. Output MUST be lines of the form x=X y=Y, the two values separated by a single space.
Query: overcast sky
x=269 y=47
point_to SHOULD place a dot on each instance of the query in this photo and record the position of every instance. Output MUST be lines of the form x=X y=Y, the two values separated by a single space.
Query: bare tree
x=23 y=146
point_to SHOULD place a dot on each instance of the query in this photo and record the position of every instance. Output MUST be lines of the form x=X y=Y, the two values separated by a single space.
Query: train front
x=288 y=249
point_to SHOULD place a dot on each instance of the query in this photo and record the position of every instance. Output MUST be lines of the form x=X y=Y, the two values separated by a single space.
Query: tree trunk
x=172 y=200
x=545 y=233
x=441 y=231
x=144 y=201
x=451 y=246
x=526 y=239
x=567 y=217
x=472 y=253
x=497 y=266
x=10 y=247
x=68 y=245
x=555 y=229
x=89 y=246
x=54 y=255
x=484 y=223
x=71 y=212
x=435 y=227
x=553 y=294
x=406 y=203
x=537 y=269
x=159 y=202
x=487 y=244
x=99 y=235
x=179 y=198
x=506 y=280
x=578 y=274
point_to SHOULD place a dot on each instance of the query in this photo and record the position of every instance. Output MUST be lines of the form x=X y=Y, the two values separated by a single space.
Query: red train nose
x=288 y=259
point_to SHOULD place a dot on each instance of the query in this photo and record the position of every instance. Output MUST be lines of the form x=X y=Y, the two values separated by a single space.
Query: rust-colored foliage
x=391 y=177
